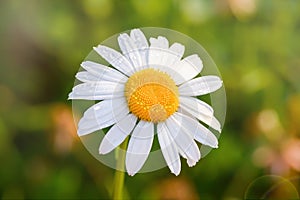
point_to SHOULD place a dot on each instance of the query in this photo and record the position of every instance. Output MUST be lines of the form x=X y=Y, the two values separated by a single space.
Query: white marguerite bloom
x=149 y=89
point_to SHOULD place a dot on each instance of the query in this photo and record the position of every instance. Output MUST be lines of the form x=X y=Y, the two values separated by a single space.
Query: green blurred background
x=255 y=44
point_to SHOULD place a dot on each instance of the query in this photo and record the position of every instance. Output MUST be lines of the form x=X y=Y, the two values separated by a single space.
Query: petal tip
x=131 y=173
x=176 y=173
x=81 y=132
x=192 y=163
x=216 y=146
x=98 y=48
x=136 y=30
x=70 y=96
x=101 y=151
x=104 y=149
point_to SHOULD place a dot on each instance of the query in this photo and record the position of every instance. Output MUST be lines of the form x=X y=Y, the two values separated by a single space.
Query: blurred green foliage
x=255 y=44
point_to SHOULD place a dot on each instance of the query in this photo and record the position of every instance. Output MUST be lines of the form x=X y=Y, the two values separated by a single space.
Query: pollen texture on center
x=151 y=95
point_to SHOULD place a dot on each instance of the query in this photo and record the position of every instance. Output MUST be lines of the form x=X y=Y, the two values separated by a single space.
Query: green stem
x=119 y=174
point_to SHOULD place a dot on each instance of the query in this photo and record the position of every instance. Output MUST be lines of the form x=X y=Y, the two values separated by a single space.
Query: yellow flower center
x=151 y=95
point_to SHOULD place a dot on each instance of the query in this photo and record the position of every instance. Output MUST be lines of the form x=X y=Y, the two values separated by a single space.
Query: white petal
x=102 y=115
x=103 y=72
x=200 y=86
x=188 y=68
x=161 y=42
x=171 y=57
x=139 y=38
x=164 y=58
x=200 y=110
x=142 y=44
x=97 y=90
x=198 y=131
x=177 y=49
x=116 y=59
x=205 y=136
x=139 y=146
x=191 y=162
x=161 y=56
x=168 y=148
x=117 y=134
x=85 y=76
x=182 y=137
x=196 y=105
x=158 y=52
x=130 y=50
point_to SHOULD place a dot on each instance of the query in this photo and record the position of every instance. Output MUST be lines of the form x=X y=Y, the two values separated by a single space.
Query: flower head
x=149 y=89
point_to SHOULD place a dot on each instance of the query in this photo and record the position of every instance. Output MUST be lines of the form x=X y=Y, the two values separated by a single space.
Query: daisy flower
x=150 y=89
